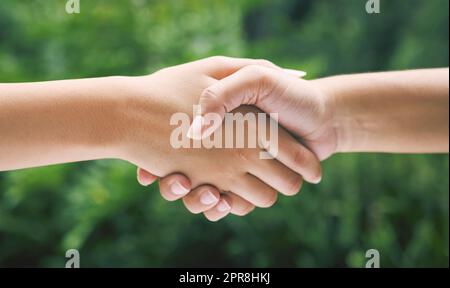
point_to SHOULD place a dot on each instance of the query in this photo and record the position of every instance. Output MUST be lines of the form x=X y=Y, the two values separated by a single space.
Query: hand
x=348 y=113
x=302 y=107
x=184 y=78
x=205 y=199
x=249 y=188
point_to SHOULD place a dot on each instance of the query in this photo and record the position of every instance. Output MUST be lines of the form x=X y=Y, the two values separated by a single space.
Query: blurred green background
x=398 y=204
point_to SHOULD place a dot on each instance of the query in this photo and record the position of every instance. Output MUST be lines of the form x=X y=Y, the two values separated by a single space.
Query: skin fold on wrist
x=352 y=125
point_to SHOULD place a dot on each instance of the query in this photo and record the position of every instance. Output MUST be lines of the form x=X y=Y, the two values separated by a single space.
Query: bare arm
x=129 y=118
x=59 y=121
x=394 y=112
x=404 y=112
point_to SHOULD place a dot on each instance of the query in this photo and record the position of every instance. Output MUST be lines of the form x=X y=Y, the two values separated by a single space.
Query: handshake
x=256 y=129
x=232 y=168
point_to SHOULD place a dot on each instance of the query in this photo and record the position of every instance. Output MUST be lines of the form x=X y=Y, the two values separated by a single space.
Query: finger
x=240 y=206
x=219 y=67
x=201 y=199
x=277 y=176
x=144 y=177
x=244 y=87
x=222 y=209
x=255 y=191
x=174 y=187
x=288 y=151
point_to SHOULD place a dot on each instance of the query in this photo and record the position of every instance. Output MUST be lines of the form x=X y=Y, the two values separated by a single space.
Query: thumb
x=244 y=87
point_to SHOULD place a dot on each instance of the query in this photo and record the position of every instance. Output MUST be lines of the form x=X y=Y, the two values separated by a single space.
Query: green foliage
x=397 y=204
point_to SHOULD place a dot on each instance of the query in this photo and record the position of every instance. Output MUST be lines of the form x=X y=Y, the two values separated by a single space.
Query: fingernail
x=317 y=180
x=178 y=189
x=208 y=198
x=195 y=131
x=223 y=206
x=144 y=182
x=145 y=179
x=296 y=73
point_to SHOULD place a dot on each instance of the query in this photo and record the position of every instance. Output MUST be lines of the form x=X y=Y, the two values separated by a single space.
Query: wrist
x=127 y=106
x=106 y=116
x=142 y=121
x=340 y=120
x=347 y=123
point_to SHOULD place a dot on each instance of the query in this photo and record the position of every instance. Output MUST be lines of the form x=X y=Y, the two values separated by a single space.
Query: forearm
x=404 y=112
x=59 y=121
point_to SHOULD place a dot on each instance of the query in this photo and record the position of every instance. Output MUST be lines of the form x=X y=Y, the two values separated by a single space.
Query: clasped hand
x=221 y=181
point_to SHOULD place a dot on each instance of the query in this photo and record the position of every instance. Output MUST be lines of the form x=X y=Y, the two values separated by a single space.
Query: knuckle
x=264 y=62
x=259 y=73
x=299 y=158
x=219 y=60
x=253 y=69
x=210 y=98
x=210 y=94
